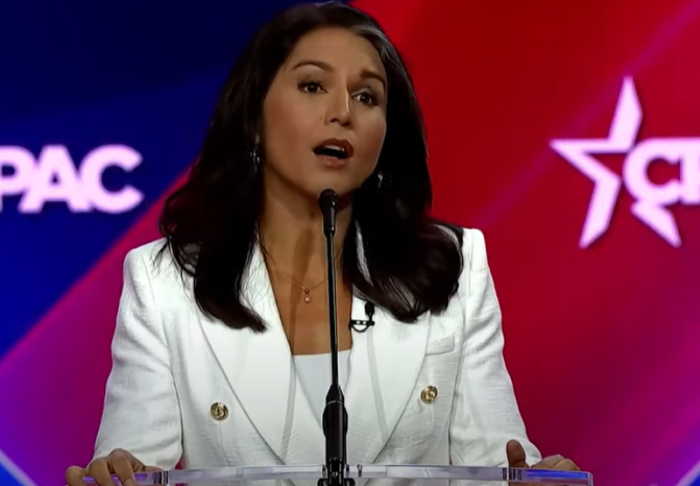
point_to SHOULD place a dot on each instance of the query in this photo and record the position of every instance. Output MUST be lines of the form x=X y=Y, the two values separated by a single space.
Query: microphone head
x=328 y=199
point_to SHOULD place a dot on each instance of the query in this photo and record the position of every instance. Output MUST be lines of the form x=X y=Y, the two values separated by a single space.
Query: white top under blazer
x=186 y=388
x=314 y=372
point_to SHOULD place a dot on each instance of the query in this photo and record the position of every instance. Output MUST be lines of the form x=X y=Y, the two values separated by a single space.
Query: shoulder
x=153 y=257
x=152 y=264
x=138 y=256
x=472 y=244
x=475 y=286
x=474 y=249
x=473 y=313
x=473 y=280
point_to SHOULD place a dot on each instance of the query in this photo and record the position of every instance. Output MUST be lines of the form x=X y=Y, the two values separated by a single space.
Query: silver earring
x=380 y=180
x=254 y=154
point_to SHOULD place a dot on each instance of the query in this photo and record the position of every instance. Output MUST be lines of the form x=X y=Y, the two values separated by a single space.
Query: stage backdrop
x=569 y=132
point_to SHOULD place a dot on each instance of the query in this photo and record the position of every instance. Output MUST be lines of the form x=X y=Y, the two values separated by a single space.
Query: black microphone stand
x=335 y=416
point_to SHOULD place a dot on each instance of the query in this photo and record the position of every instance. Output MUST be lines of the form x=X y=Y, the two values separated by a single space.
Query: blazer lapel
x=384 y=367
x=259 y=368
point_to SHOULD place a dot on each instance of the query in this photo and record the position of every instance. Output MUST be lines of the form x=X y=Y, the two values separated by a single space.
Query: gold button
x=219 y=411
x=429 y=394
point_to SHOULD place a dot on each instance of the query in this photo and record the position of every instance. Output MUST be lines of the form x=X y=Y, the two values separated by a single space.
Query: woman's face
x=324 y=117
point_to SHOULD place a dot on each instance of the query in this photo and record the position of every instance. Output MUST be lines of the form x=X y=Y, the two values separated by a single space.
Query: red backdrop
x=602 y=342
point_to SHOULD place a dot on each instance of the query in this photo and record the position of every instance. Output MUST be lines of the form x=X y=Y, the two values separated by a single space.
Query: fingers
x=516 y=454
x=548 y=462
x=119 y=463
x=100 y=471
x=557 y=462
x=123 y=465
x=74 y=476
x=566 y=465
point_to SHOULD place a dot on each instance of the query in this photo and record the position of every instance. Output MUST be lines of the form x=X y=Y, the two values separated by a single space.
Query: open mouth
x=330 y=151
x=336 y=149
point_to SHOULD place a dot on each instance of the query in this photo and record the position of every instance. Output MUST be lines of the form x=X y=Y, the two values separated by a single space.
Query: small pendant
x=307 y=297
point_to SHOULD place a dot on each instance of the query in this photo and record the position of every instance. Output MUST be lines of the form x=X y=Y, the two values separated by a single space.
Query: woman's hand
x=516 y=458
x=119 y=462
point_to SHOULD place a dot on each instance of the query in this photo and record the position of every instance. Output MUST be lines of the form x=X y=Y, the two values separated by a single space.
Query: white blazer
x=176 y=374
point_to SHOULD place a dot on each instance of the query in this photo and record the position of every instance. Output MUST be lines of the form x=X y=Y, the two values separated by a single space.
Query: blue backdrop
x=83 y=75
x=143 y=74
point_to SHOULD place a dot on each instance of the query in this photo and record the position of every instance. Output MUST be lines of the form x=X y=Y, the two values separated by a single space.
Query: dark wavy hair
x=413 y=261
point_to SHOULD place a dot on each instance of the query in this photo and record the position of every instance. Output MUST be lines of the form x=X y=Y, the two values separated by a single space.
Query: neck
x=291 y=232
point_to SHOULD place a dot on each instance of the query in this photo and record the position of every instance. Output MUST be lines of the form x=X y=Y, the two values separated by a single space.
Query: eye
x=366 y=98
x=311 y=87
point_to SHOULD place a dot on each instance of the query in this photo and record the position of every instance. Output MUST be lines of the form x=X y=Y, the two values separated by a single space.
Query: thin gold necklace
x=306 y=290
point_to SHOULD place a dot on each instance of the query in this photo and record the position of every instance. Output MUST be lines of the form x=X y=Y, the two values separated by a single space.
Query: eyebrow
x=366 y=73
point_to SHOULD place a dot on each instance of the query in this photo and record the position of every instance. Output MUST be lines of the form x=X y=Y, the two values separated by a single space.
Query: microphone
x=335 y=416
x=361 y=325
x=328 y=202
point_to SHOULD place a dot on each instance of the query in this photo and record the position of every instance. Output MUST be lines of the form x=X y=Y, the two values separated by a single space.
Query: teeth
x=332 y=151
x=334 y=147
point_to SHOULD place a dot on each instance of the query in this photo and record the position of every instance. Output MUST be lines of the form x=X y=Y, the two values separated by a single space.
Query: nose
x=339 y=109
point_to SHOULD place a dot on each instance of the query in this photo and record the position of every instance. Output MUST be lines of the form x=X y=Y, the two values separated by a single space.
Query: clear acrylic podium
x=371 y=471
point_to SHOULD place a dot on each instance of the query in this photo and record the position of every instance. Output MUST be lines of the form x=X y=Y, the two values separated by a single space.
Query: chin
x=342 y=188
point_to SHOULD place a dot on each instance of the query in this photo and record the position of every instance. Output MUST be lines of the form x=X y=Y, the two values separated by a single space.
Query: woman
x=221 y=346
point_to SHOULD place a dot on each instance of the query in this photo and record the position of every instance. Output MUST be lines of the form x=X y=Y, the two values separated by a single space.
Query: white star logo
x=652 y=200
